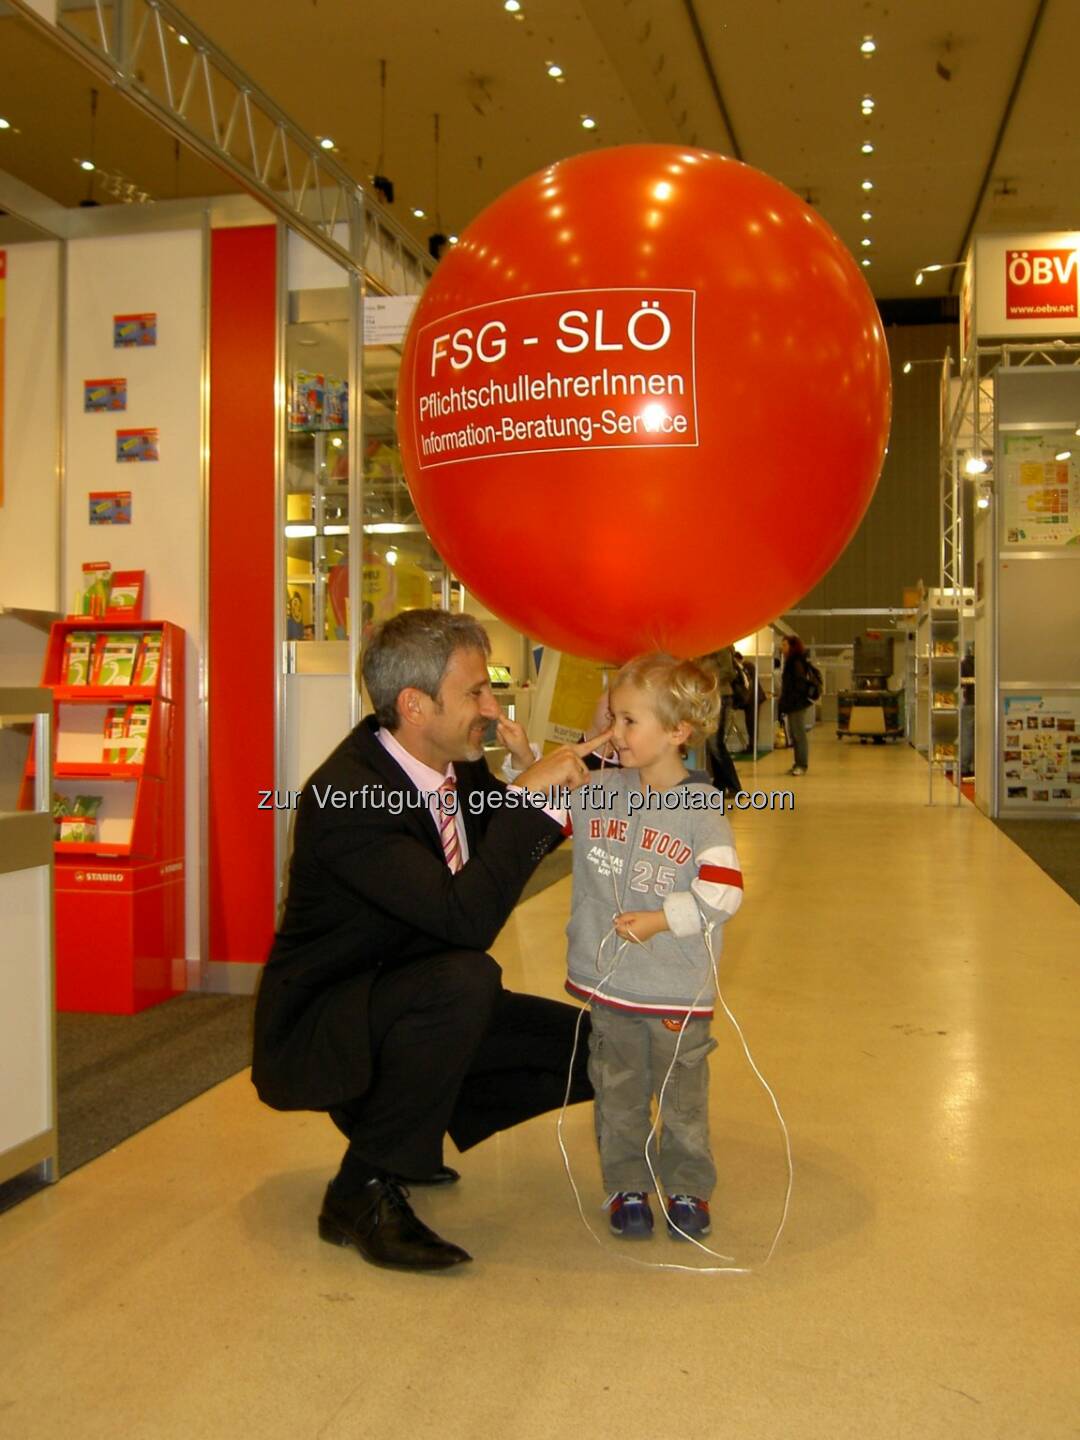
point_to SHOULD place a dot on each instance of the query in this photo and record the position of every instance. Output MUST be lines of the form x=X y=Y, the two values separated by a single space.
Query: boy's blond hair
x=680 y=690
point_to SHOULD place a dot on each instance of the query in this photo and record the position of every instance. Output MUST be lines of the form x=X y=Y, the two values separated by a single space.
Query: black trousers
x=725 y=776
x=454 y=1053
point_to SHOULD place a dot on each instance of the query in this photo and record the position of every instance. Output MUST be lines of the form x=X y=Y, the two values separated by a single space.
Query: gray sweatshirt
x=638 y=849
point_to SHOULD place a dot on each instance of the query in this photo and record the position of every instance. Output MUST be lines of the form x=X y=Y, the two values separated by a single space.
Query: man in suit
x=379 y=1002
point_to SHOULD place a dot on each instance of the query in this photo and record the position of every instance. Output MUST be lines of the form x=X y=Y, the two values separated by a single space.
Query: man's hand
x=637 y=926
x=512 y=737
x=564 y=766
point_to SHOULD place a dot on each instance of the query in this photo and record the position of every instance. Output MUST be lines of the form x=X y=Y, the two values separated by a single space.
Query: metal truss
x=153 y=53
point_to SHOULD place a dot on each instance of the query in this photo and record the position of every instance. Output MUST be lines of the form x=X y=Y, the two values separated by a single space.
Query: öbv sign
x=1041 y=284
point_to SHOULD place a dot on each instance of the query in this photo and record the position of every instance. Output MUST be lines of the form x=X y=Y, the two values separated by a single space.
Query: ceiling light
x=386 y=527
x=976 y=466
x=867 y=104
x=983 y=502
x=452 y=239
x=418 y=212
x=555 y=71
x=867 y=47
x=300 y=532
x=335 y=530
x=4 y=124
x=183 y=40
x=867 y=148
x=337 y=440
x=588 y=123
x=86 y=165
x=1063 y=455
x=867 y=215
x=866 y=264
x=867 y=184
x=326 y=143
x=512 y=5
x=907 y=367
x=391 y=556
x=865 y=241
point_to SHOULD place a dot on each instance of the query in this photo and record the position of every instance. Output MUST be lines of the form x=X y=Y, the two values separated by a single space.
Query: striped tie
x=448 y=824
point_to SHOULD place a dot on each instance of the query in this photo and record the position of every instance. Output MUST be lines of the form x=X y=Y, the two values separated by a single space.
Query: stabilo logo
x=1041 y=284
x=102 y=877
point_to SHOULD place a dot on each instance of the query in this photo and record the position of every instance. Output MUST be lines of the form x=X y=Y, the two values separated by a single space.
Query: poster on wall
x=1041 y=484
x=110 y=507
x=1040 y=759
x=104 y=395
x=131 y=331
x=137 y=445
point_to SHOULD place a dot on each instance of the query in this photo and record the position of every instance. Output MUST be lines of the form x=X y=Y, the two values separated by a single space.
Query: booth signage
x=1040 y=283
x=596 y=369
x=387 y=317
x=1026 y=287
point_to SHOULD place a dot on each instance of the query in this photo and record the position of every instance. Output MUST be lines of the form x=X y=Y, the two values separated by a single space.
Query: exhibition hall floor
x=907 y=980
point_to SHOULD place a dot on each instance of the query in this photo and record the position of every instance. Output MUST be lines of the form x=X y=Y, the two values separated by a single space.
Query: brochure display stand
x=118 y=811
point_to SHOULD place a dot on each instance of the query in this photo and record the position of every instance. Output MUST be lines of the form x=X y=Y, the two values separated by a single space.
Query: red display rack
x=119 y=897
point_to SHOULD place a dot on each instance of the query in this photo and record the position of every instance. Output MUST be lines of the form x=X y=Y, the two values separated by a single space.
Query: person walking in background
x=800 y=686
x=725 y=776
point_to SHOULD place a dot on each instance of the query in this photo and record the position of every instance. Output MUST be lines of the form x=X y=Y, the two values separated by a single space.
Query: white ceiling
x=787 y=75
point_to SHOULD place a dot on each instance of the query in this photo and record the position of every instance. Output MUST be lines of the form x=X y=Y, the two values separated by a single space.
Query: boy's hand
x=637 y=926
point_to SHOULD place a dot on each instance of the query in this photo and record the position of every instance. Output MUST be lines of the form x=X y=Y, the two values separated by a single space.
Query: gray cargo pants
x=629 y=1055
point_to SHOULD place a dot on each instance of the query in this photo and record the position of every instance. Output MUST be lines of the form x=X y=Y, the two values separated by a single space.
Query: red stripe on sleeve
x=720 y=876
x=568 y=828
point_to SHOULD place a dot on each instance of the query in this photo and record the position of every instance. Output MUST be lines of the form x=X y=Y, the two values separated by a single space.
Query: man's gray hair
x=412 y=650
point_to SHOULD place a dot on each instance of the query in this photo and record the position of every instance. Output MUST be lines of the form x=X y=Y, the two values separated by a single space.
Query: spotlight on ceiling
x=868 y=46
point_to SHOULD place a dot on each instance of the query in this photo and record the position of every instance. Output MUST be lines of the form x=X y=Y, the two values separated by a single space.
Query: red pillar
x=242 y=555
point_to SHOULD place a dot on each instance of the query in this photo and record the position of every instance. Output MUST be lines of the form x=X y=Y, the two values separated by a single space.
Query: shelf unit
x=939 y=643
x=28 y=1138
x=119 y=897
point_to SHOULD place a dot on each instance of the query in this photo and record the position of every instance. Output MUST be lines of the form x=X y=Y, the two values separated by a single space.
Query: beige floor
x=907 y=979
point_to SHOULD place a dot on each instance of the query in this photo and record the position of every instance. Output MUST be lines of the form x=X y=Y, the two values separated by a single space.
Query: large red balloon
x=644 y=402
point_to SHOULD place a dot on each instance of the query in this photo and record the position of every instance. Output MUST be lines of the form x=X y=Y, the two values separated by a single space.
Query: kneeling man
x=379 y=1002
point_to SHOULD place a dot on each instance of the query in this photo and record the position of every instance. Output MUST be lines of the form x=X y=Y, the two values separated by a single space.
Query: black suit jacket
x=368 y=888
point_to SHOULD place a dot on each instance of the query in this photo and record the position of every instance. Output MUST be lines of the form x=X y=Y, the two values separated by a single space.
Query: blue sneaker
x=690 y=1214
x=631 y=1218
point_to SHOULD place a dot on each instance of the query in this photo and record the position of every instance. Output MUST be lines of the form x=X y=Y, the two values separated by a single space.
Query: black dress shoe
x=442 y=1176
x=380 y=1222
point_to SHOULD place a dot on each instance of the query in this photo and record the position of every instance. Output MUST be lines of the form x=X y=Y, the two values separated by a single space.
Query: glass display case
x=317 y=464
x=401 y=569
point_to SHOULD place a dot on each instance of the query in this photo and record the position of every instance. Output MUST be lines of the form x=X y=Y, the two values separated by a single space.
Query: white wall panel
x=161 y=273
